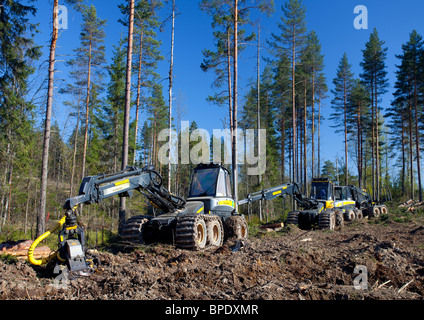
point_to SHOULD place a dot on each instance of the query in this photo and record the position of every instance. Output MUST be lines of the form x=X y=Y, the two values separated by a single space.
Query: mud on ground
x=289 y=264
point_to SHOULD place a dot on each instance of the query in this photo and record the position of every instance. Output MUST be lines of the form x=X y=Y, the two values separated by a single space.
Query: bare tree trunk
x=230 y=97
x=27 y=205
x=304 y=139
x=313 y=122
x=258 y=80
x=372 y=140
x=234 y=136
x=377 y=145
x=417 y=142
x=74 y=152
x=359 y=156
x=87 y=113
x=345 y=125
x=122 y=204
x=319 y=136
x=41 y=217
x=171 y=70
x=403 y=159
x=294 y=169
x=411 y=153
x=137 y=103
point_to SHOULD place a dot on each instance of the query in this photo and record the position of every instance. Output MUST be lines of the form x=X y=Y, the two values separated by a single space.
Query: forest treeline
x=41 y=168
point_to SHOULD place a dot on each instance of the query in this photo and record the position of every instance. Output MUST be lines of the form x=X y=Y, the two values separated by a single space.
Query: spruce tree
x=17 y=52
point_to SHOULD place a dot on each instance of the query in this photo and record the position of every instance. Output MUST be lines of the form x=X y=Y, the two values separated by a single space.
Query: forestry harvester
x=204 y=219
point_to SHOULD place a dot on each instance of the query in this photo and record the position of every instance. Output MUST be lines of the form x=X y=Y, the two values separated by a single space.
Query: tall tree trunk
x=319 y=136
x=359 y=156
x=377 y=144
x=304 y=139
x=411 y=153
x=313 y=122
x=137 y=102
x=403 y=159
x=41 y=217
x=230 y=96
x=345 y=132
x=122 y=204
x=294 y=169
x=258 y=84
x=87 y=112
x=417 y=140
x=372 y=140
x=74 y=154
x=234 y=136
x=171 y=70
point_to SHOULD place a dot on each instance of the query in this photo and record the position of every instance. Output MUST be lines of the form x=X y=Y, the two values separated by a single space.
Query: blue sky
x=332 y=20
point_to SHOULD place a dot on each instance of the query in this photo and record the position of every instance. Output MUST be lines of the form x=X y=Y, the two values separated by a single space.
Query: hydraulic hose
x=38 y=262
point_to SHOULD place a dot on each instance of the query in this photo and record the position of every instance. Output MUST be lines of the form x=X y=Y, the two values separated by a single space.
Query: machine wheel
x=359 y=215
x=293 y=218
x=384 y=210
x=339 y=219
x=236 y=226
x=375 y=212
x=191 y=232
x=215 y=231
x=132 y=230
x=350 y=215
x=327 y=220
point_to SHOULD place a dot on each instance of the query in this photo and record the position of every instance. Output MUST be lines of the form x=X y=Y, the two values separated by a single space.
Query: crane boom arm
x=291 y=189
x=95 y=189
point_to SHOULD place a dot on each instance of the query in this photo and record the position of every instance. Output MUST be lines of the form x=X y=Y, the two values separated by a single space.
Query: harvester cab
x=322 y=189
x=210 y=185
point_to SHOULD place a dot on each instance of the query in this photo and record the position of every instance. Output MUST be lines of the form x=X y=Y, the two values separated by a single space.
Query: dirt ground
x=289 y=264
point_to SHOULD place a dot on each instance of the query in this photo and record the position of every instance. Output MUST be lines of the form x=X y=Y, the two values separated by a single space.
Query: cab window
x=319 y=191
x=221 y=190
x=203 y=183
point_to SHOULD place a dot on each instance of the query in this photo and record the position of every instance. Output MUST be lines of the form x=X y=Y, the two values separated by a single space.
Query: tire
x=133 y=229
x=359 y=215
x=327 y=220
x=350 y=215
x=293 y=218
x=236 y=226
x=339 y=219
x=375 y=212
x=191 y=232
x=384 y=210
x=215 y=231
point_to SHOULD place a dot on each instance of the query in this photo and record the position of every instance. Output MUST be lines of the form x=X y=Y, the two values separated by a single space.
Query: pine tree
x=329 y=171
x=290 y=41
x=146 y=54
x=239 y=11
x=408 y=98
x=358 y=106
x=281 y=97
x=374 y=77
x=321 y=88
x=342 y=88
